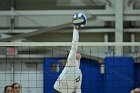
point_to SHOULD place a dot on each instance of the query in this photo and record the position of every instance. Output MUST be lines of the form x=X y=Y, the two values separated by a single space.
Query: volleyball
x=79 y=20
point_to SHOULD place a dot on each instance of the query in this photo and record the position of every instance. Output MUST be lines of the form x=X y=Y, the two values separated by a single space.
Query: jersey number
x=78 y=79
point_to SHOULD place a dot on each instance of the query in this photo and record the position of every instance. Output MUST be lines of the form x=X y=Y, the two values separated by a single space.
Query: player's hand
x=75 y=28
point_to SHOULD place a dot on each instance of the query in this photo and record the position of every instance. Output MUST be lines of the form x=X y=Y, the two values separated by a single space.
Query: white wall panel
x=4 y=21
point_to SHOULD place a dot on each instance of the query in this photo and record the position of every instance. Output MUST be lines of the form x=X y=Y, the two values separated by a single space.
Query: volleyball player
x=69 y=81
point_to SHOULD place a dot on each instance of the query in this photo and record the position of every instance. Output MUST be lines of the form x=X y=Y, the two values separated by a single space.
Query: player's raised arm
x=74 y=47
x=79 y=20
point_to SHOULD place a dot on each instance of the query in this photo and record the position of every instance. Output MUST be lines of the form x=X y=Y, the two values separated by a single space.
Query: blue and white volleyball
x=79 y=20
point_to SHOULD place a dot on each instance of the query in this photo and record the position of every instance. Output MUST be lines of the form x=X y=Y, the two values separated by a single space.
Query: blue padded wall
x=118 y=77
x=137 y=75
x=92 y=79
x=119 y=74
x=49 y=76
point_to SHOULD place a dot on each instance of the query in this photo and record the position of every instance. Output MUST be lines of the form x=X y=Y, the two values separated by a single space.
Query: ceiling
x=51 y=4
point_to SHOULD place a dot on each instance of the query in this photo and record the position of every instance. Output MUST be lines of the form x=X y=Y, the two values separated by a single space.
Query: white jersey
x=70 y=79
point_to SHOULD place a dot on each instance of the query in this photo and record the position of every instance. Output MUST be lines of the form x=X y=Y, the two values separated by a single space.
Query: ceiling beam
x=65 y=12
x=55 y=12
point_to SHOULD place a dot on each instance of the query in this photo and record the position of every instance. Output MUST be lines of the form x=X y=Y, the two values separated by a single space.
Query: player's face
x=16 y=88
x=78 y=56
x=9 y=90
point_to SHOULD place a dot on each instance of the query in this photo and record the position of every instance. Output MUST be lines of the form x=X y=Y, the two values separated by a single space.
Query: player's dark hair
x=5 y=88
x=15 y=84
